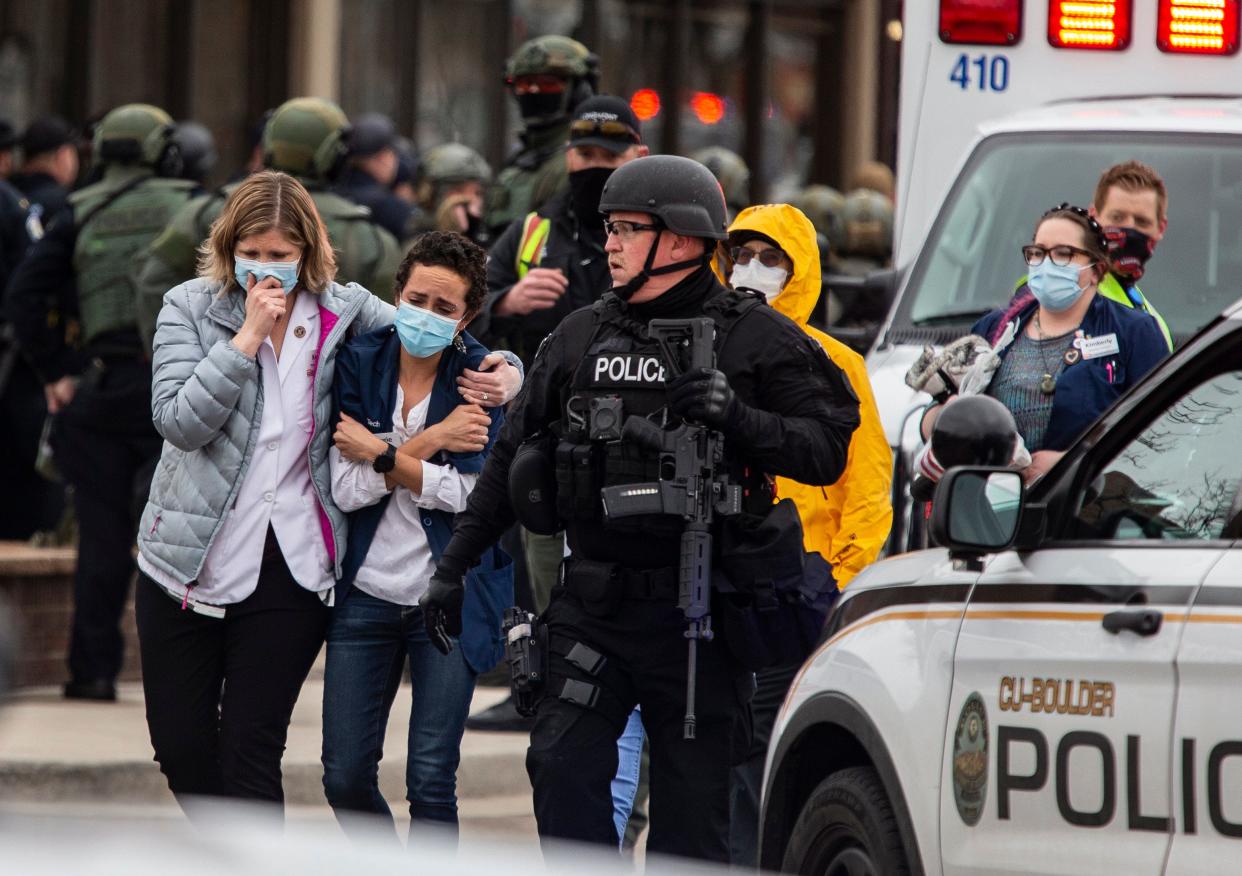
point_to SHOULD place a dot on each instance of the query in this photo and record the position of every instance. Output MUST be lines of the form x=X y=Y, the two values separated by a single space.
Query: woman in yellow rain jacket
x=772 y=250
x=848 y=522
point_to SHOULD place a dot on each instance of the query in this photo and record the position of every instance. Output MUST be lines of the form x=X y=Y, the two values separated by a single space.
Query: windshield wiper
x=970 y=315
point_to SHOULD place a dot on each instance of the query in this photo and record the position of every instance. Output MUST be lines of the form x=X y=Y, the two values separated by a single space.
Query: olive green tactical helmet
x=551 y=55
x=825 y=207
x=455 y=162
x=135 y=133
x=729 y=168
x=868 y=224
x=307 y=137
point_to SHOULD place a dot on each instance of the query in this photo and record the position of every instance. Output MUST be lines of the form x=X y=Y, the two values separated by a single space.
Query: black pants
x=32 y=503
x=220 y=692
x=573 y=749
x=753 y=733
x=104 y=442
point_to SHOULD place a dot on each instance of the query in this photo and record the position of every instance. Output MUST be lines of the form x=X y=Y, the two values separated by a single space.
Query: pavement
x=67 y=757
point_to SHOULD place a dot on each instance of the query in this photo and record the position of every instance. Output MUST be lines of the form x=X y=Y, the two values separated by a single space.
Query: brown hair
x=1133 y=176
x=265 y=201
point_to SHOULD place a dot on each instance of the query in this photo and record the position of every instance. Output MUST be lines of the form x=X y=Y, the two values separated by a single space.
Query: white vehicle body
x=1064 y=707
x=978 y=163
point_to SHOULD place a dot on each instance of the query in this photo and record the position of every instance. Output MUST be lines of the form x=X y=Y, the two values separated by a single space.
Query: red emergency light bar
x=981 y=22
x=1198 y=27
x=1089 y=24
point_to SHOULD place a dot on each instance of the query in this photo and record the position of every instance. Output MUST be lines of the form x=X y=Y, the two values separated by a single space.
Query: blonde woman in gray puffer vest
x=240 y=543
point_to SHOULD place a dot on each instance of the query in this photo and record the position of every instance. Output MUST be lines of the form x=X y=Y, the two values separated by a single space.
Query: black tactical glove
x=441 y=606
x=702 y=395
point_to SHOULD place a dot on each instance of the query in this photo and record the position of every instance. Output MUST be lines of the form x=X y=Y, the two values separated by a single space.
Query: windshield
x=972 y=263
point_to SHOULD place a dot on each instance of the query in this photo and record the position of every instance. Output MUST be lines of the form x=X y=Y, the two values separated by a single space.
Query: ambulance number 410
x=988 y=72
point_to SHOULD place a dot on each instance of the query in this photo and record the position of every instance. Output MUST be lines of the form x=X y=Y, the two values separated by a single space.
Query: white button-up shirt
x=276 y=489
x=398 y=564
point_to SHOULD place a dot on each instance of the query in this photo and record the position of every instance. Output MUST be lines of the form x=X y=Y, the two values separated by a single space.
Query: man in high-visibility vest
x=544 y=266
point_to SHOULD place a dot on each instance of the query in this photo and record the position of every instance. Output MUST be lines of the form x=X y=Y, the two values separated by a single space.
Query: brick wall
x=37 y=586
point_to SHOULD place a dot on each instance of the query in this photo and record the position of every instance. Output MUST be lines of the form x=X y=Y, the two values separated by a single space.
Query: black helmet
x=198 y=150
x=680 y=192
x=974 y=430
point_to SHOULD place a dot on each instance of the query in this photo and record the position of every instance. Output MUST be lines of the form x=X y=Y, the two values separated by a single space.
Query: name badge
x=1094 y=348
x=627 y=369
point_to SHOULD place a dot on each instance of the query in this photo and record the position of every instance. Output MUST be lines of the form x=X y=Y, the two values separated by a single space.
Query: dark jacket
x=42 y=191
x=387 y=210
x=578 y=253
x=366 y=389
x=1086 y=388
x=795 y=417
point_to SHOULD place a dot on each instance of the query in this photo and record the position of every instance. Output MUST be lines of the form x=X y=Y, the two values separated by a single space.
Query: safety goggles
x=537 y=84
x=625 y=230
x=610 y=129
x=769 y=258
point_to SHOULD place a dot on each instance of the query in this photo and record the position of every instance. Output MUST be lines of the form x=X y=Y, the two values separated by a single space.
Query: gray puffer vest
x=207 y=403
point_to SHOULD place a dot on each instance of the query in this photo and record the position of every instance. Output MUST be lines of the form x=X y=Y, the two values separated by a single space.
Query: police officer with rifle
x=660 y=414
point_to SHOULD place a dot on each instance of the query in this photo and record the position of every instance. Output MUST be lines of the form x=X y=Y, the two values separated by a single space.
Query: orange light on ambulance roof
x=1198 y=27
x=645 y=103
x=1089 y=24
x=708 y=108
x=981 y=22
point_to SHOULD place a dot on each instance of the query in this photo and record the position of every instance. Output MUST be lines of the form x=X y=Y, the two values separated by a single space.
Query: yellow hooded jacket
x=849 y=521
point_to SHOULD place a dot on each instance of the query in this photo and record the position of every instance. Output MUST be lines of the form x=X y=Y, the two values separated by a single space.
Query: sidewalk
x=56 y=755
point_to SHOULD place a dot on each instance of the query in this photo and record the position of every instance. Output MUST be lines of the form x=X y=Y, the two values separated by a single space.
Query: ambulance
x=1009 y=107
x=1055 y=690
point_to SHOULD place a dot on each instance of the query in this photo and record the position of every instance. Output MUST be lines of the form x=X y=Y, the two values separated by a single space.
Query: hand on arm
x=494 y=384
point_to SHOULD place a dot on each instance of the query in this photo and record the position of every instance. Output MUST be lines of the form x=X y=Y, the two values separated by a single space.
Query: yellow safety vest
x=535 y=230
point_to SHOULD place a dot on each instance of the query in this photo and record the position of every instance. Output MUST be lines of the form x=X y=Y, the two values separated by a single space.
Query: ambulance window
x=1179 y=479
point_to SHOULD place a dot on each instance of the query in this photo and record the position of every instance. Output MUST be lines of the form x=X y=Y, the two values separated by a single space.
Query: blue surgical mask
x=1055 y=286
x=422 y=332
x=285 y=272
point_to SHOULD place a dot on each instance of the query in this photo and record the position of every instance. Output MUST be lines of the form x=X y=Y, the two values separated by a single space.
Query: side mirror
x=976 y=511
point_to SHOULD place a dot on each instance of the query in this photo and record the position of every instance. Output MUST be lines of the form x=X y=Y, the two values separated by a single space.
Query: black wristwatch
x=386 y=461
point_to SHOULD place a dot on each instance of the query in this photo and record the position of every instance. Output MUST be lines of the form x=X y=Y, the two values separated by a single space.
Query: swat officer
x=548 y=76
x=371 y=170
x=616 y=636
x=452 y=185
x=306 y=137
x=101 y=435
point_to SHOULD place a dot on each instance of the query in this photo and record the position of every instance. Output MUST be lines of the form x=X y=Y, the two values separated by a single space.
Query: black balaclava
x=585 y=189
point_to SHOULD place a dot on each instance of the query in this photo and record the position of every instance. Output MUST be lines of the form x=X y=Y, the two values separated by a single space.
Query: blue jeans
x=629 y=764
x=368 y=641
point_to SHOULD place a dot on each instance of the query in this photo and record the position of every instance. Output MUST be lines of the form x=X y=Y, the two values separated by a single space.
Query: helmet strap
x=627 y=290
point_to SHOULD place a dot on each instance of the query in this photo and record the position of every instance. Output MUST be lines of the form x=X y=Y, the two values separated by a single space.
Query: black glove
x=441 y=606
x=702 y=395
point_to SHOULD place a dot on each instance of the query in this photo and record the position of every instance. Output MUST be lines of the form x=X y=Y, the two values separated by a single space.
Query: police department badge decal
x=970 y=760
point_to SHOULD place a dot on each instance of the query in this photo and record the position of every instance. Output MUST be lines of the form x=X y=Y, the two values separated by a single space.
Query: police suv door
x=1207 y=734
x=1059 y=745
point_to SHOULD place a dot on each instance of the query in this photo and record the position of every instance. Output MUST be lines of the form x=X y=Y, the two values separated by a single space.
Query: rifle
x=691 y=486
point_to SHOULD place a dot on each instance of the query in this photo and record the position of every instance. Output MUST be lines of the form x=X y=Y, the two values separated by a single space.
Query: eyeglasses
x=611 y=129
x=1060 y=255
x=626 y=230
x=769 y=258
x=537 y=84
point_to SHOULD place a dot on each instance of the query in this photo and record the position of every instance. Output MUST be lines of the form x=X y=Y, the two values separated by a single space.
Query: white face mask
x=754 y=275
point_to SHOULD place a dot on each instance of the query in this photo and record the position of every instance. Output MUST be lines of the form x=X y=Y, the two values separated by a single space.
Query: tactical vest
x=116 y=219
x=621 y=373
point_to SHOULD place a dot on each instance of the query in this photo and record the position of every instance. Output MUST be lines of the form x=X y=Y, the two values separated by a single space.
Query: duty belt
x=644 y=584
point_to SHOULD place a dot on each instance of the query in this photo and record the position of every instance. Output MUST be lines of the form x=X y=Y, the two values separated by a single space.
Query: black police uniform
x=103 y=441
x=571 y=246
x=43 y=192
x=616 y=633
x=387 y=210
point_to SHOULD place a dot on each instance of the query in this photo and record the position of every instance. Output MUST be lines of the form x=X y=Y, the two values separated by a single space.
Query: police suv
x=1055 y=691
x=1009 y=108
